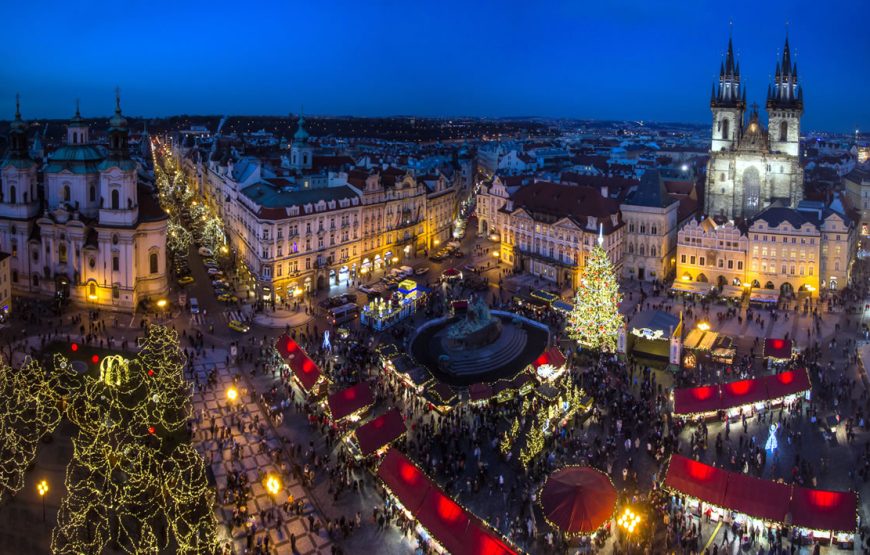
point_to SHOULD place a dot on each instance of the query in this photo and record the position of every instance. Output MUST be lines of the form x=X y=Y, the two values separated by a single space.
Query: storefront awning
x=778 y=348
x=480 y=391
x=381 y=431
x=787 y=383
x=302 y=366
x=563 y=306
x=350 y=400
x=696 y=400
x=764 y=295
x=459 y=531
x=696 y=479
x=830 y=511
x=762 y=499
x=694 y=287
x=824 y=510
x=732 y=292
x=743 y=392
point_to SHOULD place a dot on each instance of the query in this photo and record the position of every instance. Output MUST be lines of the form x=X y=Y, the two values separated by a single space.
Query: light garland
x=595 y=320
x=124 y=479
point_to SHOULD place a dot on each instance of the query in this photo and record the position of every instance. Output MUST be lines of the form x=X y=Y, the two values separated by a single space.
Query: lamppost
x=628 y=522
x=273 y=485
x=232 y=394
x=42 y=488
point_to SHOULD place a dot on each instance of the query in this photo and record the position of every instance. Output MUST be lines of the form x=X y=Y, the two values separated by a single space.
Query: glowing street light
x=42 y=488
x=703 y=326
x=272 y=483
x=232 y=394
x=161 y=303
x=628 y=521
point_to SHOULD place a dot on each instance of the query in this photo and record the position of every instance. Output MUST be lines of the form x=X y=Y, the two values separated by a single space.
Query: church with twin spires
x=751 y=167
x=81 y=225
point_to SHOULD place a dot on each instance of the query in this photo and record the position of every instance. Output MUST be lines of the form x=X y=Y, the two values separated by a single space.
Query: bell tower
x=119 y=203
x=785 y=106
x=77 y=129
x=727 y=103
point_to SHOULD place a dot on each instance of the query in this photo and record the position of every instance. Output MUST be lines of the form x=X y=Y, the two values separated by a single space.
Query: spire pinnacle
x=17 y=106
x=117 y=100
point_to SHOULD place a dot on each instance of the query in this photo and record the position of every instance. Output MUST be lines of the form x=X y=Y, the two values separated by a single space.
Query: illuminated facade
x=792 y=251
x=750 y=167
x=548 y=229
x=98 y=237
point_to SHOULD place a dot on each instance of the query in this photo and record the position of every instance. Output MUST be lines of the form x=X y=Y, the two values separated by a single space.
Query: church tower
x=785 y=105
x=301 y=153
x=119 y=205
x=727 y=103
x=18 y=197
x=77 y=129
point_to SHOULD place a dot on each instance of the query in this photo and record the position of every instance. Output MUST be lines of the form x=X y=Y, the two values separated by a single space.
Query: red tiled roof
x=381 y=431
x=349 y=400
x=571 y=201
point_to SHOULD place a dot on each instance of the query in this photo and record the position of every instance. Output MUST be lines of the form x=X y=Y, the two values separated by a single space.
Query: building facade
x=793 y=251
x=650 y=215
x=548 y=229
x=857 y=185
x=96 y=236
x=750 y=167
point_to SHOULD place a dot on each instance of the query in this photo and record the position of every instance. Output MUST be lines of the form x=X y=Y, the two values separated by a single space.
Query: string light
x=595 y=320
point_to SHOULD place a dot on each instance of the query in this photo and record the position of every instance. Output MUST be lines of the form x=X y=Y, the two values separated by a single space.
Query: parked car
x=215 y=272
x=240 y=327
x=205 y=251
x=194 y=305
x=422 y=270
x=185 y=280
x=228 y=298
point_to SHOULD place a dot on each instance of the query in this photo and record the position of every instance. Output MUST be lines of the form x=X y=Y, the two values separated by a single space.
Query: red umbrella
x=578 y=500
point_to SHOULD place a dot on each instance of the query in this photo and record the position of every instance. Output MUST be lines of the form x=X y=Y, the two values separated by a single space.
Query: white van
x=194 y=305
x=406 y=271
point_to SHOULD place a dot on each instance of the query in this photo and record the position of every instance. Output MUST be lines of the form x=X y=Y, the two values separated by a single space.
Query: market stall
x=778 y=350
x=654 y=334
x=763 y=296
x=691 y=287
x=480 y=392
x=380 y=313
x=380 y=432
x=741 y=394
x=350 y=402
x=818 y=514
x=578 y=500
x=550 y=365
x=305 y=372
x=440 y=519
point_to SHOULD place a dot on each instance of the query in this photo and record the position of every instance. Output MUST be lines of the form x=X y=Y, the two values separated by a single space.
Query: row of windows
x=721 y=263
x=642 y=228
x=772 y=239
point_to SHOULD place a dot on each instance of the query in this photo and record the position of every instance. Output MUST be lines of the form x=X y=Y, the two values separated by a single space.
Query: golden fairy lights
x=628 y=520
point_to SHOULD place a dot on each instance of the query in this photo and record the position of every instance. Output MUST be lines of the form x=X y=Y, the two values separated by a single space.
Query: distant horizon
x=626 y=60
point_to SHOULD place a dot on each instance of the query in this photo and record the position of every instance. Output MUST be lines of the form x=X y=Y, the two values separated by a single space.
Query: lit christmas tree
x=594 y=322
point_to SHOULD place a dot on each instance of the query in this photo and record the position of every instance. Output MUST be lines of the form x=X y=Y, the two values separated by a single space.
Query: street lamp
x=628 y=521
x=703 y=326
x=161 y=303
x=272 y=483
x=232 y=394
x=42 y=488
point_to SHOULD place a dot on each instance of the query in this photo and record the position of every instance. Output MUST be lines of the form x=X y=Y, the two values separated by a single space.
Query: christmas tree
x=594 y=322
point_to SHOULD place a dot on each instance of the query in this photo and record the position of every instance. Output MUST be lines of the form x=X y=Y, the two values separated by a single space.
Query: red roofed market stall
x=778 y=349
x=350 y=401
x=820 y=515
x=732 y=396
x=455 y=529
x=305 y=371
x=578 y=500
x=380 y=432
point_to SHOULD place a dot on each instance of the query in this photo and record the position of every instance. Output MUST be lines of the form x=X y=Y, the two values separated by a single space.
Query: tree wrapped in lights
x=178 y=239
x=534 y=441
x=161 y=366
x=30 y=410
x=124 y=480
x=595 y=320
x=213 y=235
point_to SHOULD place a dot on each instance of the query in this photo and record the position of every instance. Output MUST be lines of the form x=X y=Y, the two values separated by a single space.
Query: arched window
x=116 y=199
x=783 y=131
x=12 y=194
x=92 y=195
x=92 y=289
x=725 y=128
x=61 y=253
x=152 y=261
x=66 y=193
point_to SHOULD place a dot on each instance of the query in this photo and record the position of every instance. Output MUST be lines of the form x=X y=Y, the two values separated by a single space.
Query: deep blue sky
x=617 y=59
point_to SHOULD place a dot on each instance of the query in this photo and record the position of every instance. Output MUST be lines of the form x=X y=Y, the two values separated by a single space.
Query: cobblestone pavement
x=255 y=464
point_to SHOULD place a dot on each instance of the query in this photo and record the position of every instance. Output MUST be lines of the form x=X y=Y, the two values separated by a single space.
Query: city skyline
x=577 y=62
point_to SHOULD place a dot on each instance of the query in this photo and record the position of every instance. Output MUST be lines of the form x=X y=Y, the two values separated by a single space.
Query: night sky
x=620 y=59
